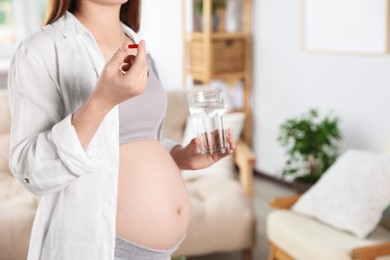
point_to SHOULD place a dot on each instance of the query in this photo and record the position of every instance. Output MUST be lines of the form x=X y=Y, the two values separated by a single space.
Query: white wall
x=289 y=81
x=161 y=27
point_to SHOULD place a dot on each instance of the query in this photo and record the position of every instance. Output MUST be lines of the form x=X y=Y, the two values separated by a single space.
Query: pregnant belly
x=153 y=207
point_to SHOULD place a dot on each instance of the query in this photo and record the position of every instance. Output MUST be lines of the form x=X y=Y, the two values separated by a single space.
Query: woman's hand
x=190 y=158
x=123 y=77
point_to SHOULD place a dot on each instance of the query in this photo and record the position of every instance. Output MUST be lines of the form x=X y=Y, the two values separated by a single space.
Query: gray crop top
x=141 y=117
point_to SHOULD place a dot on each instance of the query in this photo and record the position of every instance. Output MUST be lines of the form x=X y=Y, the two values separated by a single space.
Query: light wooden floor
x=264 y=190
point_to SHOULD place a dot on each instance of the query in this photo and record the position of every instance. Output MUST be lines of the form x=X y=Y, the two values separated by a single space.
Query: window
x=7 y=35
x=18 y=19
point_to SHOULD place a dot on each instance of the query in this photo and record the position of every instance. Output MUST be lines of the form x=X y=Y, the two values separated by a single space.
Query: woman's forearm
x=113 y=87
x=88 y=118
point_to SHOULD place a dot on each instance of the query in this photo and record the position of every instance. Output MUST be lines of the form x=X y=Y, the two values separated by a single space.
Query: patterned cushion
x=352 y=195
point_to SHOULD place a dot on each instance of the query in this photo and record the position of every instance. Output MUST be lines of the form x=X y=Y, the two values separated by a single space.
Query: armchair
x=293 y=236
x=17 y=206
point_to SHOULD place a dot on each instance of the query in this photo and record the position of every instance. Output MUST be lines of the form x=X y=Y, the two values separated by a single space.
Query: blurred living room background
x=315 y=73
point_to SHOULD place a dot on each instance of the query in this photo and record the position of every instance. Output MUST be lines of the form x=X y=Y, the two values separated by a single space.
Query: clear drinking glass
x=208 y=110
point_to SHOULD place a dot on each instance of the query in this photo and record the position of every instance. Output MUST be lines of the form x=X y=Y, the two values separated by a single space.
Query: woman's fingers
x=139 y=66
x=134 y=70
x=125 y=67
x=141 y=53
x=130 y=59
x=118 y=57
x=194 y=145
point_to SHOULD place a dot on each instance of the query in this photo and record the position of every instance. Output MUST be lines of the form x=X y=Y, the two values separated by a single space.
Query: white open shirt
x=52 y=74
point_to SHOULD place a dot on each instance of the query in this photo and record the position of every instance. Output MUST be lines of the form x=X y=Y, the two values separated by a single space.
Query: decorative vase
x=233 y=21
x=214 y=20
x=221 y=20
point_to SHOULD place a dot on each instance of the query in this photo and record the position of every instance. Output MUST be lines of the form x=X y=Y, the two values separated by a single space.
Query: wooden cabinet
x=210 y=54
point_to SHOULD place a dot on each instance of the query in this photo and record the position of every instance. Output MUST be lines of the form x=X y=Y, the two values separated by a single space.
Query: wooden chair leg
x=247 y=254
x=276 y=253
x=272 y=252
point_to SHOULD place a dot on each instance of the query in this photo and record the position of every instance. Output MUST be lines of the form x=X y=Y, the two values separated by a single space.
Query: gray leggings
x=126 y=250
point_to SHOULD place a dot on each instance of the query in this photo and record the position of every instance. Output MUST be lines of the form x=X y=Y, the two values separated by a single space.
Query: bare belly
x=153 y=206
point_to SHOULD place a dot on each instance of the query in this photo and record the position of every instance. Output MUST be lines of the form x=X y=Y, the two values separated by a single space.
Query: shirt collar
x=134 y=36
x=72 y=27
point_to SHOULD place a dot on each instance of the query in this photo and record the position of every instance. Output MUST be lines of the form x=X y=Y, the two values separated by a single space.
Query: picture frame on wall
x=346 y=26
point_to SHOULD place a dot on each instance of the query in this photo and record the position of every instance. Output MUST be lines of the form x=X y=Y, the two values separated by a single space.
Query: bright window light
x=18 y=19
x=7 y=33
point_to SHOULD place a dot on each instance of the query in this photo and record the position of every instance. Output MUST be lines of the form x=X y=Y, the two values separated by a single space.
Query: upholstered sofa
x=17 y=206
x=222 y=215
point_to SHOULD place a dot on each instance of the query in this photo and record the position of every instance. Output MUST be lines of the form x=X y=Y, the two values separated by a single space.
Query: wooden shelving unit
x=225 y=56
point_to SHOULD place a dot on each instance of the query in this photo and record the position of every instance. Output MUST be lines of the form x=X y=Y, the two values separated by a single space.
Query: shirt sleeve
x=45 y=152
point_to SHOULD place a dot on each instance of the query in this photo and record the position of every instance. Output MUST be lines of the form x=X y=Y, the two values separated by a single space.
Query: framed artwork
x=349 y=26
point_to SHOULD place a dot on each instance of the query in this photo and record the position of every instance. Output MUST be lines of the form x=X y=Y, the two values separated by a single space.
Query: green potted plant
x=312 y=147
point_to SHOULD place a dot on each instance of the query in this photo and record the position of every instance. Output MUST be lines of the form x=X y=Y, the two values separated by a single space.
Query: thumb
x=118 y=57
x=194 y=145
x=140 y=59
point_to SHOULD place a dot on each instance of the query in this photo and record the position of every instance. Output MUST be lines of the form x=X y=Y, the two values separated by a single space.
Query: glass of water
x=208 y=110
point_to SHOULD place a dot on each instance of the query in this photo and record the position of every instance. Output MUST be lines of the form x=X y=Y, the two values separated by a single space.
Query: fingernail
x=123 y=47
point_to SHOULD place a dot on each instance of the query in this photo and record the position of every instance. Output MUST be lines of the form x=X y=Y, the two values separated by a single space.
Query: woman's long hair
x=130 y=13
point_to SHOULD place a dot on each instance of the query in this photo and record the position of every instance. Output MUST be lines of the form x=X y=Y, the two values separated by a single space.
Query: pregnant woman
x=86 y=138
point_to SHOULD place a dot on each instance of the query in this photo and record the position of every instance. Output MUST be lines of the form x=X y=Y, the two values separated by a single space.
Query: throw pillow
x=386 y=220
x=225 y=166
x=352 y=195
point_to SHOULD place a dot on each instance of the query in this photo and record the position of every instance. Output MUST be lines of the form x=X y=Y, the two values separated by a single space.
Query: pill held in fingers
x=132 y=46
